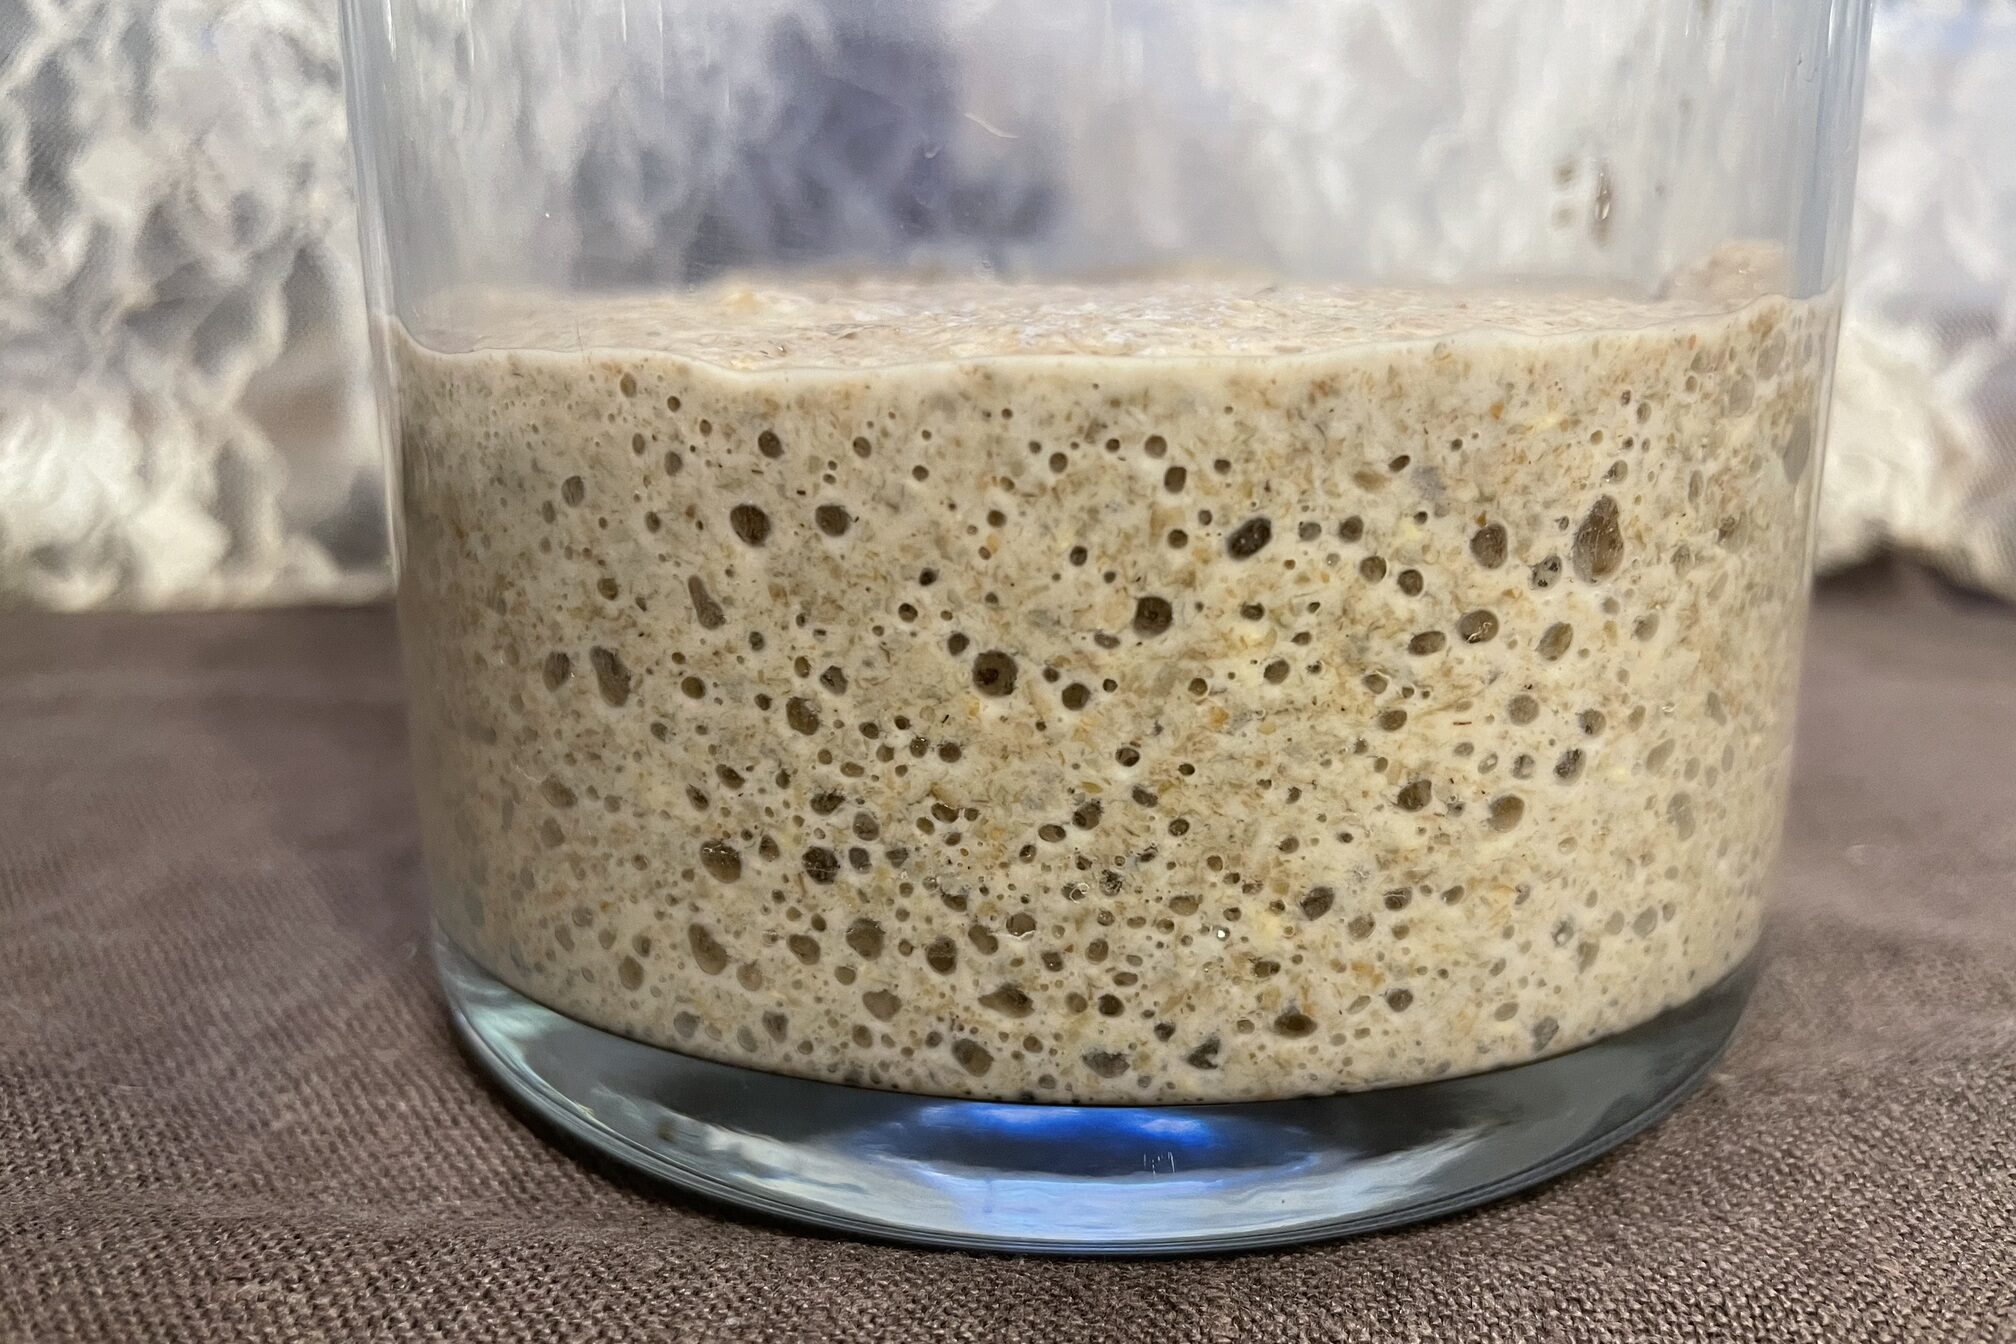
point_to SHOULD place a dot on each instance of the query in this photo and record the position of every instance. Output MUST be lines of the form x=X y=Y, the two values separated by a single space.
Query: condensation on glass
x=976 y=575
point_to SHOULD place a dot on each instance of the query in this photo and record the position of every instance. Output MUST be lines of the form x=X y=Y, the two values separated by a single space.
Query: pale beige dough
x=1175 y=691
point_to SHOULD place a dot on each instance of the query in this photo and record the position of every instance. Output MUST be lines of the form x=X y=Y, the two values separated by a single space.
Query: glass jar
x=1121 y=627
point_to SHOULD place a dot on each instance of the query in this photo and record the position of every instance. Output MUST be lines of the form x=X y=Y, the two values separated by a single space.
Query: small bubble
x=1798 y=447
x=751 y=524
x=769 y=444
x=1415 y=796
x=1372 y=568
x=1428 y=641
x=612 y=678
x=721 y=859
x=1506 y=811
x=802 y=715
x=865 y=936
x=557 y=669
x=972 y=1056
x=822 y=866
x=1105 y=1063
x=1487 y=545
x=1318 y=901
x=1249 y=538
x=1399 y=1000
x=1009 y=1000
x=705 y=609
x=1152 y=615
x=1294 y=1025
x=708 y=953
x=994 y=673
x=1599 y=542
x=572 y=491
x=1477 y=627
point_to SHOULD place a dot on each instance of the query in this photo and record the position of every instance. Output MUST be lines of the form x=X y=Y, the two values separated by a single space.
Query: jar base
x=1084 y=1180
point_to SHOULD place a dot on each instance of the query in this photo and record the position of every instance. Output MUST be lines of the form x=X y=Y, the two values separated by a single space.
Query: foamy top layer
x=756 y=325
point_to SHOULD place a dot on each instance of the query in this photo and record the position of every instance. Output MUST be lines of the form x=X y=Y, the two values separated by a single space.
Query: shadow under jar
x=1041 y=630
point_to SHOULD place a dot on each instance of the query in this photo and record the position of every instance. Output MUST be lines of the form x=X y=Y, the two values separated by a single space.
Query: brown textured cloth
x=230 y=1107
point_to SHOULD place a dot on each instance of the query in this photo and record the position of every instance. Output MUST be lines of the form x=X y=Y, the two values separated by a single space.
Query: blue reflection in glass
x=1099 y=1140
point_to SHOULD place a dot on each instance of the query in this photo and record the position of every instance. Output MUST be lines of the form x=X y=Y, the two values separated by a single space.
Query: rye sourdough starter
x=1178 y=691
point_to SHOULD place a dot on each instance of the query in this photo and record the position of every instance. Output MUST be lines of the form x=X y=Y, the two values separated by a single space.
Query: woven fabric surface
x=230 y=1106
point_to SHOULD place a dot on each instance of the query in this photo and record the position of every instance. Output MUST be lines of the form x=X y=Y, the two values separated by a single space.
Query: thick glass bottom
x=1081 y=1180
